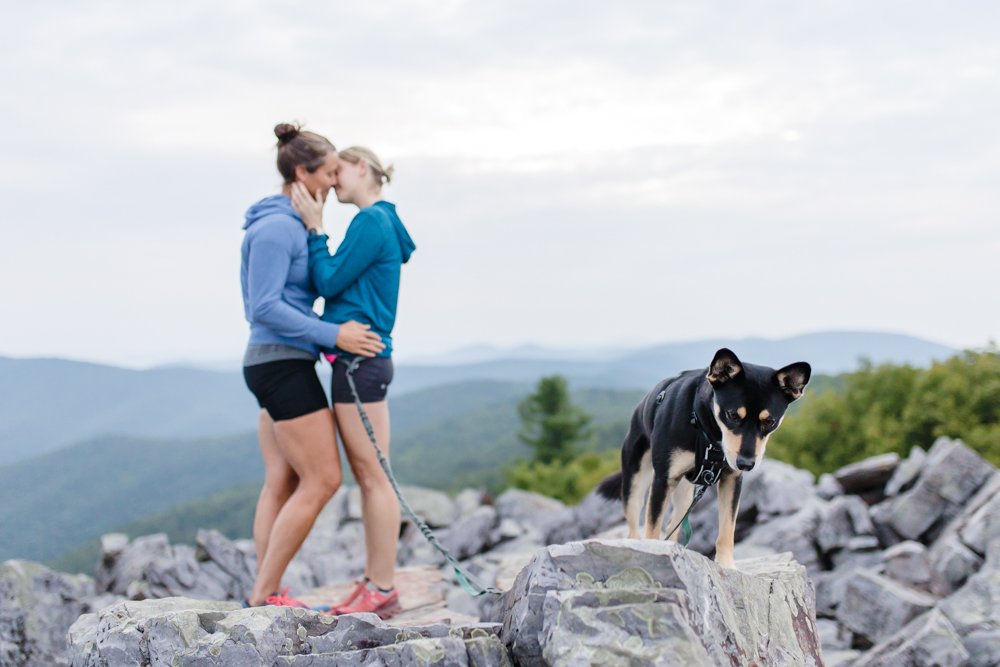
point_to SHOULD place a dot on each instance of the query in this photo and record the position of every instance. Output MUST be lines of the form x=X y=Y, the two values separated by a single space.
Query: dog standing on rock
x=731 y=406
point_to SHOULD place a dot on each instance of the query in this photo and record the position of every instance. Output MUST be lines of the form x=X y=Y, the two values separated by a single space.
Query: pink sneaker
x=360 y=586
x=373 y=601
x=283 y=599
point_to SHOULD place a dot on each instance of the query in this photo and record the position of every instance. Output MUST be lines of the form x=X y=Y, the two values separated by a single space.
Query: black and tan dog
x=732 y=404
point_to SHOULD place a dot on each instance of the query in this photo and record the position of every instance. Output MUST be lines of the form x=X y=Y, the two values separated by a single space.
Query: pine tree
x=550 y=424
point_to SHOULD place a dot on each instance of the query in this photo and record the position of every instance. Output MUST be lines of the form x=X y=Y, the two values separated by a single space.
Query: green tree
x=568 y=482
x=891 y=408
x=550 y=424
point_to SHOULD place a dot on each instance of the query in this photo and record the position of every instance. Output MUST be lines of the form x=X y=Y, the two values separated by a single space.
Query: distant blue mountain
x=51 y=403
x=828 y=353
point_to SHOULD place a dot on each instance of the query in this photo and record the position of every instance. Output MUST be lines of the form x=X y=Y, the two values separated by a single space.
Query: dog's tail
x=611 y=487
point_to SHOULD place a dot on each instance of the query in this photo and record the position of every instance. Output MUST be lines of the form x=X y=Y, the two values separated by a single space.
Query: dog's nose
x=745 y=463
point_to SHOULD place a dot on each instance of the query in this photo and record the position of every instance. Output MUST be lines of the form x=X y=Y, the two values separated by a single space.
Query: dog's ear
x=724 y=367
x=793 y=378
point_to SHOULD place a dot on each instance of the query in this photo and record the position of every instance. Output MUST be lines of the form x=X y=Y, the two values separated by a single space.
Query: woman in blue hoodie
x=361 y=282
x=295 y=427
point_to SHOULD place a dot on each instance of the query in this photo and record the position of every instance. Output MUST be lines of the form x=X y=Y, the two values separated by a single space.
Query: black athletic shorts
x=287 y=389
x=372 y=379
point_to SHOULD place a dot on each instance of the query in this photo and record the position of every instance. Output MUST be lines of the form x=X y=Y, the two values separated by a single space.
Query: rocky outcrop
x=901 y=553
x=196 y=632
x=37 y=607
x=582 y=603
x=929 y=592
x=648 y=602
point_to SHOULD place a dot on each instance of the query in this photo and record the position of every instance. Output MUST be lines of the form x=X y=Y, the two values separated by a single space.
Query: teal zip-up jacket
x=361 y=280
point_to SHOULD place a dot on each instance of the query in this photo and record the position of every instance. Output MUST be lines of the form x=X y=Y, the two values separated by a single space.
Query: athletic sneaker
x=359 y=587
x=373 y=601
x=283 y=599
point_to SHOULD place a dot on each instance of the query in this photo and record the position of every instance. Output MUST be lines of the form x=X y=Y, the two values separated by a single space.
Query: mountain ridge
x=51 y=403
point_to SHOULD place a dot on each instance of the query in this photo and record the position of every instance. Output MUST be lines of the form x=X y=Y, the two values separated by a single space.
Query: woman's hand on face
x=356 y=338
x=309 y=207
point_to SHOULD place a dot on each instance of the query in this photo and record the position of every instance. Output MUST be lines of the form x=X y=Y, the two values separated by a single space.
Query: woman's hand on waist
x=357 y=338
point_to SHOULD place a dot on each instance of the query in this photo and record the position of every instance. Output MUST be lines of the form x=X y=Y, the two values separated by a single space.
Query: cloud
x=570 y=171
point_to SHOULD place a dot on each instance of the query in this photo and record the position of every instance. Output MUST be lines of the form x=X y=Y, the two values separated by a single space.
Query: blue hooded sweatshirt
x=277 y=294
x=361 y=280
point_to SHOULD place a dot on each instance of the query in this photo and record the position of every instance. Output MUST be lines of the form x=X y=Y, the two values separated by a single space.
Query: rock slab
x=182 y=631
x=37 y=606
x=654 y=602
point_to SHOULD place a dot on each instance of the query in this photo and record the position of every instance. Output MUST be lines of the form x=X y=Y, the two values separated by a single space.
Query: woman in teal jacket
x=361 y=282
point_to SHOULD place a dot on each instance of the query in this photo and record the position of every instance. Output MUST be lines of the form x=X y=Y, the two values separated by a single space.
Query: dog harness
x=709 y=459
x=709 y=463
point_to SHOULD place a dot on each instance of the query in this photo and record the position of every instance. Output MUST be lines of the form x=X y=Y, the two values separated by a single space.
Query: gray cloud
x=572 y=173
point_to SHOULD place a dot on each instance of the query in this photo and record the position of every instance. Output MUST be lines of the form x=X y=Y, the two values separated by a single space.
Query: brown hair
x=300 y=147
x=381 y=174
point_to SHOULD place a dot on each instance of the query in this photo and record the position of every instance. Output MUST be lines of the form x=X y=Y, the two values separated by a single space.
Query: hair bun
x=388 y=173
x=285 y=132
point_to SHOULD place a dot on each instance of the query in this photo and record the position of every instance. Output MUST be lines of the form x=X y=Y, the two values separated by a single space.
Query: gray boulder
x=150 y=567
x=332 y=552
x=844 y=518
x=183 y=631
x=860 y=551
x=538 y=514
x=831 y=586
x=875 y=606
x=952 y=474
x=881 y=514
x=974 y=611
x=467 y=500
x=37 y=607
x=980 y=523
x=775 y=489
x=230 y=565
x=827 y=487
x=471 y=534
x=832 y=637
x=906 y=473
x=951 y=564
x=434 y=507
x=867 y=475
x=927 y=641
x=654 y=602
x=468 y=536
x=959 y=551
x=795 y=533
x=840 y=658
x=908 y=564
x=591 y=515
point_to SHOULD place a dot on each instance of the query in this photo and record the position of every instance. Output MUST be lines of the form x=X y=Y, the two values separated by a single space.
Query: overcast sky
x=574 y=174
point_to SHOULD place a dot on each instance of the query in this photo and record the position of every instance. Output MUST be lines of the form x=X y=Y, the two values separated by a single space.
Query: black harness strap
x=709 y=459
x=709 y=464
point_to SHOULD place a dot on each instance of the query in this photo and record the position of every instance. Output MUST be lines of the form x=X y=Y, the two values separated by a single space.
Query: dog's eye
x=732 y=415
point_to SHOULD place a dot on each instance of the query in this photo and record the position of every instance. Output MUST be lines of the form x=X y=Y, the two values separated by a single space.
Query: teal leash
x=685 y=523
x=465 y=578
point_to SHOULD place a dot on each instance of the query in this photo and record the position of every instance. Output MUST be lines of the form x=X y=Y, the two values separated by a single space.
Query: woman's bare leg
x=379 y=506
x=279 y=483
x=308 y=445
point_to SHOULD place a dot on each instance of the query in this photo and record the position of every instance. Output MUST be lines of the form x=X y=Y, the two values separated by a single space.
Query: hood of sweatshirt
x=406 y=244
x=273 y=205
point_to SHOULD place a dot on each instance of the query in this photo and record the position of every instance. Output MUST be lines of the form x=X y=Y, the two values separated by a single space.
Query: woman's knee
x=371 y=479
x=323 y=483
x=281 y=482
